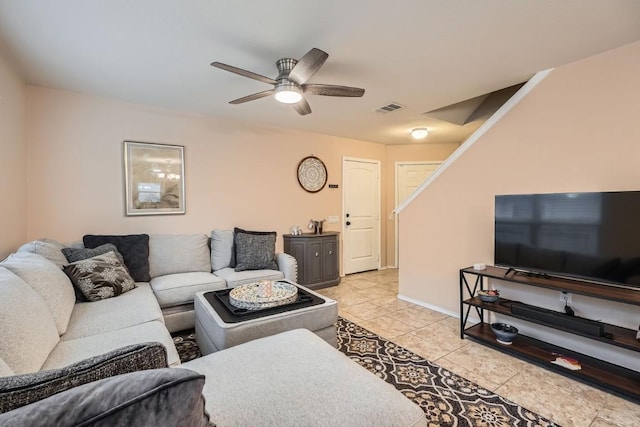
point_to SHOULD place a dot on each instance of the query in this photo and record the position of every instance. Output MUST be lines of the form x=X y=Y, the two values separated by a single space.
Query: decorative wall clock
x=312 y=174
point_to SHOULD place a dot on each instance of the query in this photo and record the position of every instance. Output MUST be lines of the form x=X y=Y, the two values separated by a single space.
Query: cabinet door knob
x=316 y=253
x=330 y=252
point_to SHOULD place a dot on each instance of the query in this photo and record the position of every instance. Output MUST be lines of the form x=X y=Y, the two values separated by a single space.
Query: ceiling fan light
x=288 y=93
x=419 y=133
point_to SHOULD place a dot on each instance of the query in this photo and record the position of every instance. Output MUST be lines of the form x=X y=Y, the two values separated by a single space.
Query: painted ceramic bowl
x=488 y=295
x=504 y=333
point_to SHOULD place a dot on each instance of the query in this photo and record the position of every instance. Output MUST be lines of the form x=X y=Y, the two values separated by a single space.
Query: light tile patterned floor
x=369 y=299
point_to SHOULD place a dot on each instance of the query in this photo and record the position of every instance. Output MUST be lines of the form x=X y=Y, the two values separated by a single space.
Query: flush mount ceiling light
x=288 y=93
x=419 y=133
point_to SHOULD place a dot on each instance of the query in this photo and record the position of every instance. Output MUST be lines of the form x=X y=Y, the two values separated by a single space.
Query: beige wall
x=576 y=131
x=13 y=162
x=405 y=153
x=237 y=174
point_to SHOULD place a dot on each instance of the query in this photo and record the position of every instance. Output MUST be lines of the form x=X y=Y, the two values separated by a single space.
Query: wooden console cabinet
x=317 y=256
x=599 y=373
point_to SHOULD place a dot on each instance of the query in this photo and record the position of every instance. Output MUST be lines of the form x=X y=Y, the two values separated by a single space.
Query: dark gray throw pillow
x=78 y=254
x=21 y=390
x=255 y=250
x=156 y=397
x=133 y=247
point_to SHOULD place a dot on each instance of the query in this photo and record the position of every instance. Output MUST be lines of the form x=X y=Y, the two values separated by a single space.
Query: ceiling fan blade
x=333 y=90
x=252 y=97
x=244 y=73
x=302 y=107
x=308 y=65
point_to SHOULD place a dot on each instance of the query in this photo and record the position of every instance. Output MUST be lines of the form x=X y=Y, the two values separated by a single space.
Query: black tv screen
x=590 y=236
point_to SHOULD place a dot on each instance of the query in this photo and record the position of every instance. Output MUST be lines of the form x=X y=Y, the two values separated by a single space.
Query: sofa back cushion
x=178 y=253
x=48 y=281
x=48 y=248
x=222 y=252
x=133 y=247
x=28 y=329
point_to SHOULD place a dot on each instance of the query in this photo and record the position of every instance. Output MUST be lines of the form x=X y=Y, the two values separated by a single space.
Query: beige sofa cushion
x=48 y=281
x=28 y=330
x=178 y=253
x=137 y=306
x=68 y=352
x=178 y=289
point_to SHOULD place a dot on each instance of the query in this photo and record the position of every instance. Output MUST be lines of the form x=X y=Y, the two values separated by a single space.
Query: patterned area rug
x=446 y=398
x=186 y=345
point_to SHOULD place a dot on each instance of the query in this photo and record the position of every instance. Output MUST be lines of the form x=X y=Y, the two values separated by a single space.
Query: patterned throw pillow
x=21 y=390
x=255 y=250
x=100 y=277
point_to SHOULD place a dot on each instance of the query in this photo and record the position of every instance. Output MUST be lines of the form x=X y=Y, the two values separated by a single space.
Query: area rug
x=447 y=399
x=186 y=345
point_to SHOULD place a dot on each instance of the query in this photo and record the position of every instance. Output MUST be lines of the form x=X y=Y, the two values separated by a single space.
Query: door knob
x=347 y=215
x=348 y=222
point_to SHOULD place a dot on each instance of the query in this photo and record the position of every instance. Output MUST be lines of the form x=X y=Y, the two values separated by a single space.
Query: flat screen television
x=589 y=236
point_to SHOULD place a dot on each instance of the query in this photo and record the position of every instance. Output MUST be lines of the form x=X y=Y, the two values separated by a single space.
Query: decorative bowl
x=505 y=333
x=488 y=295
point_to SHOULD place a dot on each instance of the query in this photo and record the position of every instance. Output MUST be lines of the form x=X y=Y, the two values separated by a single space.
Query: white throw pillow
x=48 y=281
x=29 y=332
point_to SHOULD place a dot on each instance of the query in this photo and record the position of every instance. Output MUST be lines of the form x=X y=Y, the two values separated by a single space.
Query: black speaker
x=586 y=326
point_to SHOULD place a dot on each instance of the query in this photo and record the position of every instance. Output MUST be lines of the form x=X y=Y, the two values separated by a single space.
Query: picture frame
x=153 y=178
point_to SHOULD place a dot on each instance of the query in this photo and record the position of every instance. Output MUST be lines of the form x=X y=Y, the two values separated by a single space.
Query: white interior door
x=409 y=176
x=361 y=215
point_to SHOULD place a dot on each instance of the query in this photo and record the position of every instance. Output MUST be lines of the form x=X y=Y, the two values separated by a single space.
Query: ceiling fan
x=290 y=84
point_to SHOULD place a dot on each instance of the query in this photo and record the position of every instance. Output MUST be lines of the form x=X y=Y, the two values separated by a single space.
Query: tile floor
x=370 y=300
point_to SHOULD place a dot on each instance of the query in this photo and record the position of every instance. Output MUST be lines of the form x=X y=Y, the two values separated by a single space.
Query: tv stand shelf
x=621 y=337
x=608 y=292
x=611 y=377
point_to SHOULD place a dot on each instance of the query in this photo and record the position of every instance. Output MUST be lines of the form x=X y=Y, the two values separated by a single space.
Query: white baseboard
x=472 y=318
x=429 y=306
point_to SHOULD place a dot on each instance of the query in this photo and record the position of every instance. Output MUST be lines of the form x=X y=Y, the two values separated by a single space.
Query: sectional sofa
x=168 y=269
x=45 y=330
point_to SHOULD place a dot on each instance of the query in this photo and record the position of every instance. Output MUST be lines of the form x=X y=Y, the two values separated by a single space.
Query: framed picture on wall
x=154 y=179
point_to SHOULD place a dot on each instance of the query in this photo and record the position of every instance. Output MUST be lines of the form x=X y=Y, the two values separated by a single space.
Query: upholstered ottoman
x=213 y=333
x=296 y=379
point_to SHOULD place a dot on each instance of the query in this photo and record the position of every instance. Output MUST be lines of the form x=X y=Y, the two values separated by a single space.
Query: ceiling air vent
x=390 y=107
